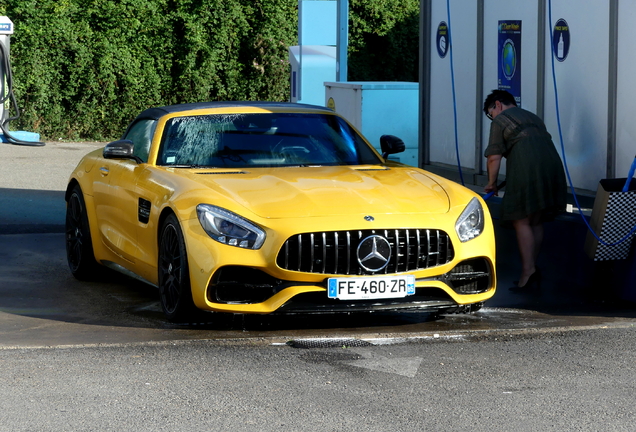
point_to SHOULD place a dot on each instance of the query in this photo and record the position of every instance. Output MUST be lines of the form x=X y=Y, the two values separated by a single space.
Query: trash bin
x=613 y=217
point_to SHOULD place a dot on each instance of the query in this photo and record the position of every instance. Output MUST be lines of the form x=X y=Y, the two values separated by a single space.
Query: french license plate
x=373 y=287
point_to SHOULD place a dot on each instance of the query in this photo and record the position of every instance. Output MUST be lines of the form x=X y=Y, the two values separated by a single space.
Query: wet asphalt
x=100 y=356
x=42 y=305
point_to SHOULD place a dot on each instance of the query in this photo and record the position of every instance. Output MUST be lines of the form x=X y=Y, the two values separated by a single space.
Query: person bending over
x=536 y=188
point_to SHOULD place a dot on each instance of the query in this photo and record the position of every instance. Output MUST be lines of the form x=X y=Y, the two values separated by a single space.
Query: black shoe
x=532 y=285
x=536 y=271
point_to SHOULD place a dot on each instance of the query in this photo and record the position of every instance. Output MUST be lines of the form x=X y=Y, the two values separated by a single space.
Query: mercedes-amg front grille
x=336 y=252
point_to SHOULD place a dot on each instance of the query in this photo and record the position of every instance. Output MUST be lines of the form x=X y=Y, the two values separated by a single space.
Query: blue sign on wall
x=509 y=57
x=561 y=40
x=442 y=39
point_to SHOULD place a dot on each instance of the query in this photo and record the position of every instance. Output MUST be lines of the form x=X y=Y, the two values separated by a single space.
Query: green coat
x=535 y=179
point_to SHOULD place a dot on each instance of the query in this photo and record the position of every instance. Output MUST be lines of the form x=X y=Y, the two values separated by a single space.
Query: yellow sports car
x=259 y=207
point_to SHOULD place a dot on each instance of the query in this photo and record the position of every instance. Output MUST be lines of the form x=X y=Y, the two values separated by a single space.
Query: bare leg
x=528 y=247
x=537 y=232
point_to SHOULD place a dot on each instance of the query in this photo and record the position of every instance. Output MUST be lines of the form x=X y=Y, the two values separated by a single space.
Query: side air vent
x=144 y=210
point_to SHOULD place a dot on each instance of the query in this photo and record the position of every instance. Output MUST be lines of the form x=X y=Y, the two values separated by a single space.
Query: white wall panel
x=442 y=134
x=526 y=12
x=626 y=103
x=582 y=81
x=582 y=85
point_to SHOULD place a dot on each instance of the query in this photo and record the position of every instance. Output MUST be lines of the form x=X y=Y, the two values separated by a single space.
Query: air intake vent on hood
x=222 y=172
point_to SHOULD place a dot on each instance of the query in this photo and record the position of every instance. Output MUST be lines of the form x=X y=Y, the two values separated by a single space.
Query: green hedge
x=84 y=68
x=383 y=40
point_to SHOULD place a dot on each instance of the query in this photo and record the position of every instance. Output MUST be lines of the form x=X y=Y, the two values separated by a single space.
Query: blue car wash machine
x=7 y=97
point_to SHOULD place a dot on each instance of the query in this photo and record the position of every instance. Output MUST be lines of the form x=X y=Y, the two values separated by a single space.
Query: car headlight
x=229 y=228
x=470 y=223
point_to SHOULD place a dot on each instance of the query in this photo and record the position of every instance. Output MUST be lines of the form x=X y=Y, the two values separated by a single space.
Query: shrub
x=103 y=61
x=84 y=68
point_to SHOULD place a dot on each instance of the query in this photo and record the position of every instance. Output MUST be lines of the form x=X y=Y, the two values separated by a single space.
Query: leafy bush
x=84 y=68
x=383 y=40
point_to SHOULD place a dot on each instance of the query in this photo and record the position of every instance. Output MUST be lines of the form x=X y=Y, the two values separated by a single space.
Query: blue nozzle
x=499 y=187
x=630 y=175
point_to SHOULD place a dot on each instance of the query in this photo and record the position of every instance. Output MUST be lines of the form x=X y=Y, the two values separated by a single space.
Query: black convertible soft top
x=156 y=113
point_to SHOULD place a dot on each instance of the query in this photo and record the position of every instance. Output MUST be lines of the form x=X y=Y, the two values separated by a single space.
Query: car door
x=110 y=209
x=119 y=207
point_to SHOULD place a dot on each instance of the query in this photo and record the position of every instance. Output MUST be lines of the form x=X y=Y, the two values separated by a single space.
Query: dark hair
x=502 y=96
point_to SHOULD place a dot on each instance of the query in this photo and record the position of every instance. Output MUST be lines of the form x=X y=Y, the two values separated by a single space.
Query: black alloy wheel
x=79 y=247
x=174 y=276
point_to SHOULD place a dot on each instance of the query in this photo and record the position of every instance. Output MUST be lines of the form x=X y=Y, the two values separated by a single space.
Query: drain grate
x=328 y=343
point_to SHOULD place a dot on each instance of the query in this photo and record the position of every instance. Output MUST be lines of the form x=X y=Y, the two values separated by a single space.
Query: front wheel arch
x=78 y=238
x=166 y=212
x=173 y=272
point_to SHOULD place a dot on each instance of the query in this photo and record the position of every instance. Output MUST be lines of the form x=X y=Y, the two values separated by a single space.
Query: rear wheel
x=79 y=247
x=174 y=276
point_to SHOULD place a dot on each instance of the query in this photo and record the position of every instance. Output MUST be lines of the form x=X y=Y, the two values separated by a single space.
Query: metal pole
x=612 y=89
x=541 y=55
x=425 y=82
x=342 y=40
x=299 y=92
x=479 y=75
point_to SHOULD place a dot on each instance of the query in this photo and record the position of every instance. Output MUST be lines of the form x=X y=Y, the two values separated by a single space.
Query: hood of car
x=328 y=191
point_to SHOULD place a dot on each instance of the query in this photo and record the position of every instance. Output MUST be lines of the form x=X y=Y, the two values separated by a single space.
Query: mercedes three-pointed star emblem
x=374 y=253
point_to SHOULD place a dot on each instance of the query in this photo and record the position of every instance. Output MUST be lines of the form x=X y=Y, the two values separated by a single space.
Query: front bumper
x=246 y=290
x=227 y=279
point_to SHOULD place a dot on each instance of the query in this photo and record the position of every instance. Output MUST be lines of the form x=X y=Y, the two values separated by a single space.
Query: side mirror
x=121 y=149
x=391 y=144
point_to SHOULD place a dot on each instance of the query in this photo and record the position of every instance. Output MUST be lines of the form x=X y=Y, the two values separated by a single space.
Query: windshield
x=262 y=140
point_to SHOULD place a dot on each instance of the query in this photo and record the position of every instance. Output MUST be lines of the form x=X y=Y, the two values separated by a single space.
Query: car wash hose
x=630 y=175
x=452 y=70
x=6 y=94
x=565 y=164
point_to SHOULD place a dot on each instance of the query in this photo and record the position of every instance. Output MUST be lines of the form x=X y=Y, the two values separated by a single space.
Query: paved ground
x=556 y=381
x=100 y=356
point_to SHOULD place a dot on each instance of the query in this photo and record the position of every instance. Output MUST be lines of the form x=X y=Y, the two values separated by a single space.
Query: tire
x=79 y=246
x=174 y=275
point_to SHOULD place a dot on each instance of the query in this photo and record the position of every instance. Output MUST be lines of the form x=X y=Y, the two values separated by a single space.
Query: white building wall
x=442 y=134
x=582 y=86
x=525 y=11
x=583 y=82
x=626 y=103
